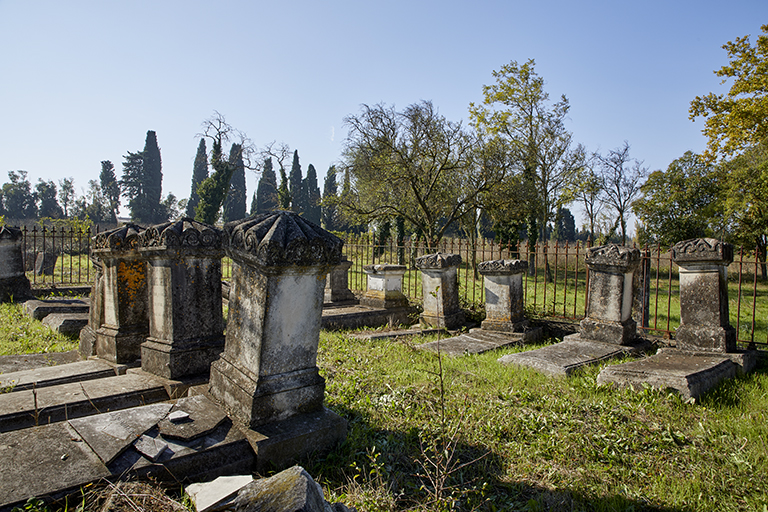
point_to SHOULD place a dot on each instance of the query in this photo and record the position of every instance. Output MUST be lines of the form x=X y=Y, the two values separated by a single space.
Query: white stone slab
x=212 y=496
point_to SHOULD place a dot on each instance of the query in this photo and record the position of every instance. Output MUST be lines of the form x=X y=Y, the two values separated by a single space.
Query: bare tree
x=589 y=192
x=622 y=177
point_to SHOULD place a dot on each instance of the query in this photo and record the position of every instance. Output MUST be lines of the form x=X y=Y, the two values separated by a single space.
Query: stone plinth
x=704 y=320
x=503 y=281
x=337 y=283
x=87 y=346
x=609 y=300
x=385 y=286
x=268 y=370
x=124 y=295
x=440 y=287
x=14 y=285
x=186 y=328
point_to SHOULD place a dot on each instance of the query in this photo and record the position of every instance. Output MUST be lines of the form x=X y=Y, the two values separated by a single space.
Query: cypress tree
x=283 y=194
x=132 y=184
x=295 y=185
x=266 y=193
x=254 y=208
x=234 y=204
x=329 y=213
x=214 y=188
x=199 y=173
x=153 y=179
x=312 y=196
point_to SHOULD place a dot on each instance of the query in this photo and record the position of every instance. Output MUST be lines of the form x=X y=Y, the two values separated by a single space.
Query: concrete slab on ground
x=562 y=359
x=45 y=461
x=68 y=324
x=688 y=374
x=356 y=316
x=390 y=334
x=60 y=374
x=21 y=362
x=40 y=308
x=478 y=341
x=28 y=408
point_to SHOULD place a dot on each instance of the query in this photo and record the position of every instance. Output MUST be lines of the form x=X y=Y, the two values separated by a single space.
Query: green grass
x=538 y=443
x=21 y=334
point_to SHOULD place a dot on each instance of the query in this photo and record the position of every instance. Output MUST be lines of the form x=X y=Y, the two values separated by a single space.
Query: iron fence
x=555 y=285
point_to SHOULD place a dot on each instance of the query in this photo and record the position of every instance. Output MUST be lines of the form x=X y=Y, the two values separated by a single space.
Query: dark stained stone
x=182 y=233
x=282 y=238
x=124 y=238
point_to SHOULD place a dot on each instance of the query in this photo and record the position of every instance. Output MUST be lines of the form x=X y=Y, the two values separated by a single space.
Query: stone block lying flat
x=21 y=362
x=68 y=324
x=39 y=309
x=570 y=354
x=478 y=341
x=690 y=375
x=60 y=374
x=210 y=496
x=58 y=403
x=354 y=317
x=45 y=461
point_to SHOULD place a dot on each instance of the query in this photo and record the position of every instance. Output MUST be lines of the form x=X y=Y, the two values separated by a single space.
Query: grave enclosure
x=255 y=398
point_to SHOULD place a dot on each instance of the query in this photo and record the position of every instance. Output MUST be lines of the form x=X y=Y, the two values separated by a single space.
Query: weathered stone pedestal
x=124 y=296
x=503 y=281
x=87 y=347
x=706 y=350
x=186 y=329
x=608 y=331
x=440 y=287
x=337 y=284
x=14 y=285
x=385 y=286
x=268 y=371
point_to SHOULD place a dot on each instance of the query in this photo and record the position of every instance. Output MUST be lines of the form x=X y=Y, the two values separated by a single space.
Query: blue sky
x=83 y=81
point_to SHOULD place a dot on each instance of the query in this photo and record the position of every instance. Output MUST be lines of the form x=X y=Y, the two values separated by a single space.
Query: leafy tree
x=330 y=214
x=622 y=177
x=66 y=194
x=589 y=192
x=414 y=164
x=295 y=182
x=18 y=198
x=680 y=203
x=738 y=120
x=311 y=196
x=565 y=226
x=199 y=173
x=266 y=193
x=283 y=194
x=47 y=205
x=110 y=189
x=516 y=109
x=97 y=207
x=234 y=203
x=133 y=187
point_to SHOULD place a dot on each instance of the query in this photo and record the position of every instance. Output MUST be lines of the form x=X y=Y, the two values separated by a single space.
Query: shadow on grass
x=388 y=470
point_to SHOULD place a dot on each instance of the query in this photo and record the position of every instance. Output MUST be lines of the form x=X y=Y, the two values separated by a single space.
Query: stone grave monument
x=87 y=345
x=505 y=323
x=14 y=284
x=440 y=287
x=186 y=328
x=267 y=374
x=337 y=284
x=705 y=351
x=385 y=286
x=608 y=331
x=123 y=295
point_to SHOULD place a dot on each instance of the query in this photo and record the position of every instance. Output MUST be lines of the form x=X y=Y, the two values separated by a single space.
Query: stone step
x=39 y=309
x=68 y=324
x=51 y=404
x=61 y=374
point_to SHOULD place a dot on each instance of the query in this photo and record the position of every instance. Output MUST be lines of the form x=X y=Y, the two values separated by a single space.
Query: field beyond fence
x=555 y=286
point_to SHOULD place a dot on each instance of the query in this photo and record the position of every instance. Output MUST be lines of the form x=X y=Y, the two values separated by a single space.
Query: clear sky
x=83 y=81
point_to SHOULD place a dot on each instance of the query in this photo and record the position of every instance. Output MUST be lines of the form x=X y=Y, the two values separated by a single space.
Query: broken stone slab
x=290 y=490
x=562 y=359
x=46 y=461
x=745 y=360
x=110 y=434
x=68 y=324
x=58 y=403
x=39 y=308
x=21 y=362
x=60 y=374
x=217 y=494
x=200 y=416
x=478 y=341
x=356 y=316
x=688 y=375
x=150 y=447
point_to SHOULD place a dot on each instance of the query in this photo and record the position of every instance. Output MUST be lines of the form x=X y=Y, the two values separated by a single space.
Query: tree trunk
x=761 y=256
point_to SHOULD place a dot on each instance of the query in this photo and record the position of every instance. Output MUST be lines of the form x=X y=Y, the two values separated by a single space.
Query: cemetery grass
x=21 y=334
x=530 y=442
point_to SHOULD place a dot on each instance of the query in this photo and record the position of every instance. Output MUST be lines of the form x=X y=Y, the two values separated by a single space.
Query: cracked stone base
x=447 y=322
x=173 y=361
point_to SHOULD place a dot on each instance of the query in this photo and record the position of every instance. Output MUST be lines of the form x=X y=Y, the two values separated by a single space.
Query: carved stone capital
x=438 y=260
x=502 y=267
x=185 y=233
x=613 y=256
x=700 y=250
x=124 y=238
